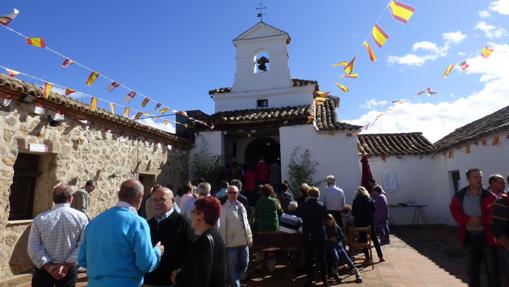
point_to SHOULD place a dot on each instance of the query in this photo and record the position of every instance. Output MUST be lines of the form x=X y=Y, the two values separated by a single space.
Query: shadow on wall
x=20 y=261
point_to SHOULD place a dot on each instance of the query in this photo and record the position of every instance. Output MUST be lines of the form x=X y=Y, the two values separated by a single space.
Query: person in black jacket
x=204 y=265
x=313 y=213
x=363 y=210
x=171 y=229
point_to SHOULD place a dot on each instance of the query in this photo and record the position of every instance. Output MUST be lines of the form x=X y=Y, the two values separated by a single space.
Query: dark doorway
x=266 y=147
x=21 y=198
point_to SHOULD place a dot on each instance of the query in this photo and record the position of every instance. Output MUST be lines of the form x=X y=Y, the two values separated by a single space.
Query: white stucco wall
x=335 y=153
x=213 y=140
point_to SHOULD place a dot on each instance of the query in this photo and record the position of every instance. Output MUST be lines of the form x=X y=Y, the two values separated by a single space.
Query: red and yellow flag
x=138 y=115
x=145 y=102
x=486 y=52
x=47 y=89
x=126 y=112
x=342 y=88
x=401 y=12
x=36 y=42
x=91 y=79
x=93 y=103
x=379 y=36
x=349 y=67
x=164 y=110
x=371 y=54
x=350 y=76
x=69 y=91
x=448 y=70
x=342 y=63
x=12 y=73
x=112 y=108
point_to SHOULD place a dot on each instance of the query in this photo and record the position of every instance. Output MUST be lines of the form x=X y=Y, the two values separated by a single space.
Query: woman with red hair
x=204 y=265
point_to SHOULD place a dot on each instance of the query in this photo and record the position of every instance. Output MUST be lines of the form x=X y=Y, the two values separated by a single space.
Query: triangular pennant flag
x=401 y=12
x=39 y=109
x=145 y=102
x=130 y=96
x=5 y=20
x=12 y=73
x=67 y=62
x=93 y=103
x=138 y=115
x=158 y=106
x=112 y=86
x=486 y=52
x=342 y=63
x=350 y=76
x=47 y=90
x=91 y=78
x=112 y=108
x=349 y=67
x=126 y=112
x=69 y=91
x=379 y=36
x=164 y=110
x=36 y=42
x=371 y=54
x=448 y=70
x=342 y=88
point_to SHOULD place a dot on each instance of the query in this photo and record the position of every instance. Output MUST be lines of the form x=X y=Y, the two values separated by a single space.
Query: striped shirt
x=290 y=223
x=55 y=235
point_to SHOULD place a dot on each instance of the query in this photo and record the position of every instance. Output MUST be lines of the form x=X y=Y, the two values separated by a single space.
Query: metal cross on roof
x=259 y=11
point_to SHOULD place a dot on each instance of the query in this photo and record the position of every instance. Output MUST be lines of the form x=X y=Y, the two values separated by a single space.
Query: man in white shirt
x=53 y=243
x=333 y=198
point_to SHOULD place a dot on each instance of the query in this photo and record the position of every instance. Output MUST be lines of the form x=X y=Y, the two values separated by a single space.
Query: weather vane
x=259 y=11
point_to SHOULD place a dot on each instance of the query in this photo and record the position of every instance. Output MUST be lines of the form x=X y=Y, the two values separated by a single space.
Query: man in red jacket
x=471 y=208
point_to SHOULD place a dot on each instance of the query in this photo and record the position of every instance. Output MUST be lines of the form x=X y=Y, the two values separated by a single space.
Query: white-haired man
x=203 y=190
x=333 y=198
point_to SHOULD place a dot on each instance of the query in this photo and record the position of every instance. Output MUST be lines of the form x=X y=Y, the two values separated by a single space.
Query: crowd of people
x=197 y=237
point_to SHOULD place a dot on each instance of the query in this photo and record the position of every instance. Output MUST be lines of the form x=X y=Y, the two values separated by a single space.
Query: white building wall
x=212 y=140
x=336 y=154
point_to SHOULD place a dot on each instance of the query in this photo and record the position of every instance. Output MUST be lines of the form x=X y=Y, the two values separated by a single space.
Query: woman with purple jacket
x=381 y=214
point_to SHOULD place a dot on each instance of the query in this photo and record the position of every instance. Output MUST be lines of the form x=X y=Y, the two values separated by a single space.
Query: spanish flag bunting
x=379 y=36
x=93 y=103
x=112 y=86
x=145 y=102
x=486 y=52
x=349 y=67
x=165 y=122
x=401 y=12
x=69 y=91
x=112 y=108
x=158 y=106
x=130 y=96
x=164 y=110
x=12 y=73
x=47 y=89
x=448 y=70
x=464 y=65
x=371 y=54
x=350 y=76
x=91 y=79
x=36 y=42
x=67 y=62
x=5 y=20
x=138 y=115
x=342 y=63
x=342 y=88
x=126 y=112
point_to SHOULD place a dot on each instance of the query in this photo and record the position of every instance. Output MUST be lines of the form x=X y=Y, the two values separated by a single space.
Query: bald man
x=117 y=249
x=53 y=243
x=171 y=229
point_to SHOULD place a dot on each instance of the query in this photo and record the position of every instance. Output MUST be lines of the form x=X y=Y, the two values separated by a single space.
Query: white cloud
x=373 y=103
x=436 y=120
x=484 y=14
x=432 y=50
x=500 y=6
x=150 y=122
x=490 y=31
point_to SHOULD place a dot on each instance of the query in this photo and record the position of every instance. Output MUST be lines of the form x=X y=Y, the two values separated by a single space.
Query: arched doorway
x=268 y=148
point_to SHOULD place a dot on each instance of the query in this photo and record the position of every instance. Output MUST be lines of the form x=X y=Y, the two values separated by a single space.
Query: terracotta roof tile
x=394 y=144
x=490 y=124
x=326 y=117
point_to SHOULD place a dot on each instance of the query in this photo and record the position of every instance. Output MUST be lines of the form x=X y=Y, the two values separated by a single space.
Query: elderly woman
x=236 y=233
x=303 y=193
x=381 y=214
x=266 y=219
x=207 y=254
x=363 y=211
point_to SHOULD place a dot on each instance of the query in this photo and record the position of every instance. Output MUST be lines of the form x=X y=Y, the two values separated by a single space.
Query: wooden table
x=419 y=213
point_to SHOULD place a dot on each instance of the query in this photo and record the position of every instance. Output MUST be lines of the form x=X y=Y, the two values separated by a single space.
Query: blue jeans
x=382 y=230
x=335 y=253
x=237 y=260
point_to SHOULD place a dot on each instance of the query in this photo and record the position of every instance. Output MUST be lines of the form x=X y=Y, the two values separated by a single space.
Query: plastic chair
x=359 y=239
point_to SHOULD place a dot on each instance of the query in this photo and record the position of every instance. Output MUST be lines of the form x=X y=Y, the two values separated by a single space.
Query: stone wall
x=76 y=153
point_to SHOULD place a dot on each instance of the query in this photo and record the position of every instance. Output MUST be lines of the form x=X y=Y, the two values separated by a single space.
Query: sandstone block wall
x=77 y=152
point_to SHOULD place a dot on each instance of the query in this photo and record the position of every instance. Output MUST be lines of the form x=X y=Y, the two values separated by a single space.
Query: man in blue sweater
x=117 y=249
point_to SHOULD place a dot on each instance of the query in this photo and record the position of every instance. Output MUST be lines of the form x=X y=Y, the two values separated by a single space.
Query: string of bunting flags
x=47 y=88
x=94 y=74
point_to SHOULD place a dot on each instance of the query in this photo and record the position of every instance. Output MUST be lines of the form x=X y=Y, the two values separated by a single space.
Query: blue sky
x=175 y=51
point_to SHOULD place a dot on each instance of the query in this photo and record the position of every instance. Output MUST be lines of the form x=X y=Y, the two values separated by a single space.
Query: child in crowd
x=347 y=218
x=336 y=251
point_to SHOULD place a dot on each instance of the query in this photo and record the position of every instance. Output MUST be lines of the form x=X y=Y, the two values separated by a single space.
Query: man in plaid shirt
x=53 y=244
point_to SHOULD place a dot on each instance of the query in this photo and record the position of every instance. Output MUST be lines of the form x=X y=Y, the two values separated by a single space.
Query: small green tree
x=301 y=168
x=204 y=165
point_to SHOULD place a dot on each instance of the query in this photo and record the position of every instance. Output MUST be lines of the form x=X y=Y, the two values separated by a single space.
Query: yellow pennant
x=47 y=89
x=112 y=108
x=164 y=110
x=448 y=70
x=126 y=112
x=371 y=54
x=340 y=64
x=342 y=88
x=379 y=36
x=138 y=115
x=349 y=67
x=93 y=103
x=91 y=79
